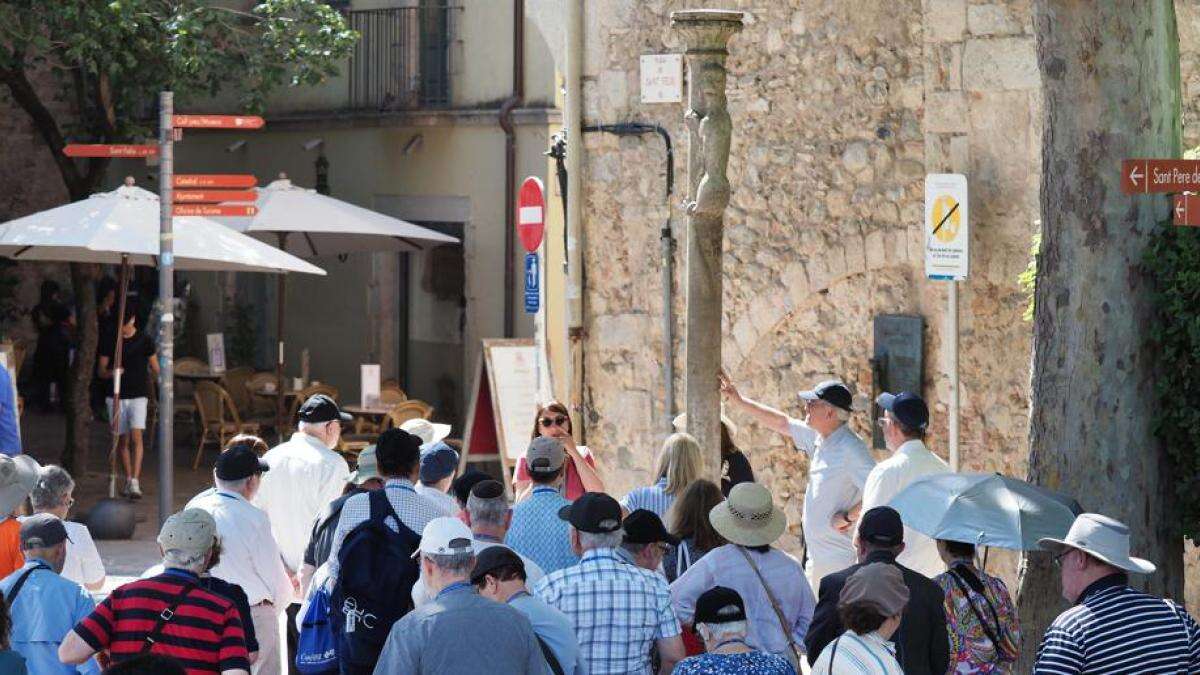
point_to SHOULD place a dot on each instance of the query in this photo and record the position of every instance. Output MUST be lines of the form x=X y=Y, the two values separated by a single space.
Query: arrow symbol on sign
x=1179 y=209
x=1134 y=175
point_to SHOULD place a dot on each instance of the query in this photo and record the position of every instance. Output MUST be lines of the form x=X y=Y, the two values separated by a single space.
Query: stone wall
x=839 y=110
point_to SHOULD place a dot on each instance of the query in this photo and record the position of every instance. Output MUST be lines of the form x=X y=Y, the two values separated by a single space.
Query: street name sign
x=214 y=196
x=662 y=78
x=531 y=213
x=1187 y=209
x=214 y=210
x=200 y=180
x=1143 y=176
x=946 y=227
x=217 y=122
x=106 y=150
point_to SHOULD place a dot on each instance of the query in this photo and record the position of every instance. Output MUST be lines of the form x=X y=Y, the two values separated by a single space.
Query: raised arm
x=775 y=420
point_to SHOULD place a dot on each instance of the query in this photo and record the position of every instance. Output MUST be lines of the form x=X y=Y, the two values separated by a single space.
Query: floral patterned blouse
x=972 y=649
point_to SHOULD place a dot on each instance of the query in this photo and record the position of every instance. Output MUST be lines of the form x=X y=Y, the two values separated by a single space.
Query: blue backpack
x=316 y=648
x=374 y=584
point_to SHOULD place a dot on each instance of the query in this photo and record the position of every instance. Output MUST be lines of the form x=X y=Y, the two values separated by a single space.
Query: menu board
x=503 y=403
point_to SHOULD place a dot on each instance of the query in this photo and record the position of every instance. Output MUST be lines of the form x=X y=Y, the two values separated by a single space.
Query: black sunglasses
x=554 y=421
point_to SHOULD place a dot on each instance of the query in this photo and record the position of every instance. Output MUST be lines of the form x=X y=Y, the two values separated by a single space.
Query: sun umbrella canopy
x=108 y=225
x=985 y=509
x=317 y=225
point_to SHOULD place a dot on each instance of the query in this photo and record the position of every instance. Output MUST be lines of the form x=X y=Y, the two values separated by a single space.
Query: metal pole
x=166 y=298
x=952 y=345
x=668 y=323
x=573 y=127
x=280 y=293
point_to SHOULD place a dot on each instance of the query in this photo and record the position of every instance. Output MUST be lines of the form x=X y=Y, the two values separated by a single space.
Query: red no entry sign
x=213 y=210
x=217 y=121
x=531 y=213
x=1141 y=176
x=99 y=150
x=199 y=180
x=214 y=196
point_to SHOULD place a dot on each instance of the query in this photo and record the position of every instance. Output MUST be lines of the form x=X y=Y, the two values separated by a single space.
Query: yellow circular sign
x=943 y=227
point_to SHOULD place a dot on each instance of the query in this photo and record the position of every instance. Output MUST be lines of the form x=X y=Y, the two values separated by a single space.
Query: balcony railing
x=402 y=59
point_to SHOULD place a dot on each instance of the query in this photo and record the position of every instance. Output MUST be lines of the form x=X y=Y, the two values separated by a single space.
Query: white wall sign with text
x=662 y=78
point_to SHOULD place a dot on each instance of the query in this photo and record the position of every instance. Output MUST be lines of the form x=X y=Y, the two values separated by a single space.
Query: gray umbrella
x=985 y=509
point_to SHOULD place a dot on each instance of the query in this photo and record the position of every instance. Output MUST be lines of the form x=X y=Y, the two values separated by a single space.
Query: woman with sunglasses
x=579 y=471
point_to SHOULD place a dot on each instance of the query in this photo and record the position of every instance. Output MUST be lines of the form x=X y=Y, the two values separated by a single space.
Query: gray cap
x=880 y=585
x=191 y=531
x=545 y=454
x=368 y=466
x=42 y=530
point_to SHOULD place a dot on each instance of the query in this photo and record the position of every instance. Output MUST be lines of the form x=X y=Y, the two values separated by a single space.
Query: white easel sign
x=216 y=352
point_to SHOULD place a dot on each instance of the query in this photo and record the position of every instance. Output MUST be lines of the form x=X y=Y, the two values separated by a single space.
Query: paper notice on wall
x=216 y=352
x=370 y=385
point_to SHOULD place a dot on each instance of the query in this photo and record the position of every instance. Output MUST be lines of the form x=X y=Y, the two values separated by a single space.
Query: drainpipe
x=510 y=163
x=574 y=265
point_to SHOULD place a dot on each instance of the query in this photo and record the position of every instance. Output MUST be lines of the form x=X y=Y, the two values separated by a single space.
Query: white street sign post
x=946 y=230
x=662 y=78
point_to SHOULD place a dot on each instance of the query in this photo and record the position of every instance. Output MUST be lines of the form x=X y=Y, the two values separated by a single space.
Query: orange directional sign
x=213 y=210
x=217 y=121
x=216 y=180
x=215 y=196
x=1187 y=209
x=95 y=150
x=1141 y=176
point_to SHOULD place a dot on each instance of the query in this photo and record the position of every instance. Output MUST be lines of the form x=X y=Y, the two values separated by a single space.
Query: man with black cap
x=646 y=540
x=250 y=557
x=619 y=610
x=721 y=622
x=43 y=605
x=905 y=419
x=500 y=575
x=839 y=463
x=922 y=645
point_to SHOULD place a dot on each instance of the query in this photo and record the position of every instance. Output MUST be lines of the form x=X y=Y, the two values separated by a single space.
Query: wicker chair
x=260 y=406
x=388 y=398
x=408 y=410
x=185 y=405
x=219 y=418
x=234 y=381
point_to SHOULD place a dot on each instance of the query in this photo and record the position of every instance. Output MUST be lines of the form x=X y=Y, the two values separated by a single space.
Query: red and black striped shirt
x=204 y=635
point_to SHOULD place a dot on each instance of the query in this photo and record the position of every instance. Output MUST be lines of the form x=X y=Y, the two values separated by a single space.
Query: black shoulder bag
x=11 y=597
x=164 y=616
x=962 y=586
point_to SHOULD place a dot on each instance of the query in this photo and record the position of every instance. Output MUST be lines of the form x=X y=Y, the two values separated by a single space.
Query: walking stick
x=117 y=364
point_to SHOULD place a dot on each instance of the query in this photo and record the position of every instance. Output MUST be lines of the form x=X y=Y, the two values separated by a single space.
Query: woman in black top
x=735 y=468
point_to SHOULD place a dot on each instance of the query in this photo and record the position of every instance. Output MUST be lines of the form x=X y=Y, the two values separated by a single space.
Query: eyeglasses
x=558 y=421
x=1058 y=558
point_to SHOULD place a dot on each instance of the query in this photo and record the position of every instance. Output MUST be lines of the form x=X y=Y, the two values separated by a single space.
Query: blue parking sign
x=532 y=284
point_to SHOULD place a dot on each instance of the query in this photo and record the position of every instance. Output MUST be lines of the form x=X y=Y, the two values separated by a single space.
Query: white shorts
x=133 y=414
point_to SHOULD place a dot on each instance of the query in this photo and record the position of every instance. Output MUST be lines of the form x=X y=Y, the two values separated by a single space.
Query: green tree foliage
x=108 y=59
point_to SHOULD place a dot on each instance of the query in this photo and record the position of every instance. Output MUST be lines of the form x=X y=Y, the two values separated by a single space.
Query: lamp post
x=705 y=34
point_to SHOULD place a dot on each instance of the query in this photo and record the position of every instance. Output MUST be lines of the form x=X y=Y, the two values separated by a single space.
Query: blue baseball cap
x=908 y=409
x=438 y=460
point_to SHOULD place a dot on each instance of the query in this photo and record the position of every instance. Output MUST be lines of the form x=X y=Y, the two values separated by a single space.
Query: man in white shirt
x=305 y=476
x=439 y=462
x=839 y=463
x=250 y=557
x=904 y=421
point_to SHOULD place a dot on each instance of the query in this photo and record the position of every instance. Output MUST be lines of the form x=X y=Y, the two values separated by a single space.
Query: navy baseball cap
x=881 y=525
x=908 y=409
x=238 y=462
x=832 y=392
x=438 y=460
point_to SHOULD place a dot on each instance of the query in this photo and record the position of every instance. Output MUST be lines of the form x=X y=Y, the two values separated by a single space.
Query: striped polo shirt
x=652 y=498
x=1116 y=630
x=204 y=635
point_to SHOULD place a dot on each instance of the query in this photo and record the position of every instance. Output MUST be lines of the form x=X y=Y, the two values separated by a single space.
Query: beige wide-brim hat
x=1100 y=537
x=428 y=432
x=18 y=477
x=680 y=423
x=749 y=516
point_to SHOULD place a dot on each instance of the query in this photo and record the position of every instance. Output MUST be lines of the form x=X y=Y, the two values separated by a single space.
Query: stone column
x=705 y=34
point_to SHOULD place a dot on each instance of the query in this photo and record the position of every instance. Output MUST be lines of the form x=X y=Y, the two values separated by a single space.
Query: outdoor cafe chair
x=408 y=410
x=219 y=418
x=234 y=382
x=261 y=405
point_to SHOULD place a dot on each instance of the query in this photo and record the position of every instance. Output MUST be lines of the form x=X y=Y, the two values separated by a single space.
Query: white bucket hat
x=18 y=477
x=1100 y=537
x=425 y=430
x=749 y=516
x=680 y=423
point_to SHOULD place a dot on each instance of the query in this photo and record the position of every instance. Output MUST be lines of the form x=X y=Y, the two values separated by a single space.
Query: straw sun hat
x=749 y=516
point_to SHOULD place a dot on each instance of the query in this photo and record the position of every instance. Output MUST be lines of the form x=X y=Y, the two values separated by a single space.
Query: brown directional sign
x=1141 y=176
x=1187 y=209
x=199 y=180
x=214 y=196
x=97 y=150
x=217 y=121
x=213 y=210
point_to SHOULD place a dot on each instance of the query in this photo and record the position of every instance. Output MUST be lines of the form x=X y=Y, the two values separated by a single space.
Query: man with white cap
x=839 y=464
x=1112 y=629
x=461 y=632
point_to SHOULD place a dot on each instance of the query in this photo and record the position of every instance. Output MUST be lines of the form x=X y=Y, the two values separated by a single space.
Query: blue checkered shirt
x=537 y=532
x=414 y=511
x=618 y=611
x=653 y=498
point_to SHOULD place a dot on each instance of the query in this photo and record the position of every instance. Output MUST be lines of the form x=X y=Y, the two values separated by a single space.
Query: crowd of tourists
x=409 y=565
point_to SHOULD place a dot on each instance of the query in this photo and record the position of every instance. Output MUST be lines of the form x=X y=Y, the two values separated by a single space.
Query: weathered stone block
x=946 y=112
x=991 y=64
x=945 y=20
x=995 y=19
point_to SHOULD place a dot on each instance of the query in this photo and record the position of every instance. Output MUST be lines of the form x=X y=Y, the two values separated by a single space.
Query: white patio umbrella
x=306 y=223
x=122 y=227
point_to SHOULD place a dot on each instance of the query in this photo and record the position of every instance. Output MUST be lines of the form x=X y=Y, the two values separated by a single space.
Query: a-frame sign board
x=503 y=404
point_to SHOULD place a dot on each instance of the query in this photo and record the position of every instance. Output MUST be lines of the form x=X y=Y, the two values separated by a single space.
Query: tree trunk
x=75 y=452
x=1110 y=74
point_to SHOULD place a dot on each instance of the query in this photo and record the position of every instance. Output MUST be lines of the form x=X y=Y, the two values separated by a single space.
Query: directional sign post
x=215 y=196
x=217 y=122
x=531 y=213
x=197 y=180
x=214 y=210
x=1144 y=176
x=106 y=150
x=1187 y=209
